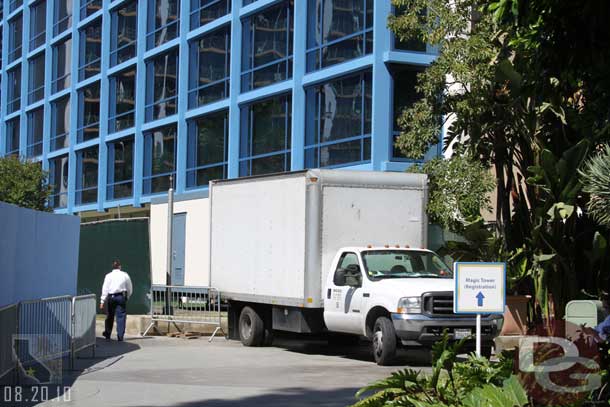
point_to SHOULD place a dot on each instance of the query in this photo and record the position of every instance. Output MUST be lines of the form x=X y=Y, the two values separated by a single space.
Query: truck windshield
x=380 y=264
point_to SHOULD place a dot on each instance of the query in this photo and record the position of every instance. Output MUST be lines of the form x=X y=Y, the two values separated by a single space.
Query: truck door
x=343 y=299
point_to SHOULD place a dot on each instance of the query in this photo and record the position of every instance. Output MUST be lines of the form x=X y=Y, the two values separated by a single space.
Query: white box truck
x=332 y=251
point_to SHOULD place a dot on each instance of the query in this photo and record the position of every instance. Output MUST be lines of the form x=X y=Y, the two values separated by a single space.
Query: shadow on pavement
x=290 y=397
x=30 y=393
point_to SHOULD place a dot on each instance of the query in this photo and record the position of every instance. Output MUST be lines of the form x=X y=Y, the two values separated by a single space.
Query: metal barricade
x=44 y=330
x=8 y=328
x=185 y=304
x=83 y=324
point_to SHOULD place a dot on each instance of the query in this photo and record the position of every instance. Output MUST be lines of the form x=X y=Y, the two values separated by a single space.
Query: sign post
x=480 y=288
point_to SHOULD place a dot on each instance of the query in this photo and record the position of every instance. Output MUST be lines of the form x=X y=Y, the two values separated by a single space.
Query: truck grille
x=438 y=303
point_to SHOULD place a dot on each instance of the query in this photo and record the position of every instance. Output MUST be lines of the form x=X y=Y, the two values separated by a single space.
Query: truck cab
x=397 y=296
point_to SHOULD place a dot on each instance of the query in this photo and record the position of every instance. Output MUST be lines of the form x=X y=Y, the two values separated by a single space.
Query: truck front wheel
x=384 y=341
x=251 y=327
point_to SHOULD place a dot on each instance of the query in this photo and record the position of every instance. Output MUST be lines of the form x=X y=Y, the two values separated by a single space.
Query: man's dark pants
x=116 y=304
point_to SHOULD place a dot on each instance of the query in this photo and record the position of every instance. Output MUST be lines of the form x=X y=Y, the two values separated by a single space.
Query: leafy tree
x=522 y=87
x=24 y=183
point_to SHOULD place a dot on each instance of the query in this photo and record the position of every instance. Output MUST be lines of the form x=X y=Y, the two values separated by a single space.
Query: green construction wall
x=103 y=242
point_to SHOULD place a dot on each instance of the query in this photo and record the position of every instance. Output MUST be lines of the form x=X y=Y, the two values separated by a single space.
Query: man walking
x=116 y=291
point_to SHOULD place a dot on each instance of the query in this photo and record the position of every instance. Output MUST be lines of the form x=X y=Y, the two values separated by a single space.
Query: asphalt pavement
x=161 y=371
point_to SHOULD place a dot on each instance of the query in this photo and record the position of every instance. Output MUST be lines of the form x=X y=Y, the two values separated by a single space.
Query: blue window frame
x=36 y=82
x=15 y=38
x=120 y=169
x=87 y=163
x=122 y=101
x=62 y=59
x=124 y=32
x=88 y=127
x=12 y=137
x=60 y=123
x=14 y=89
x=209 y=67
x=35 y=122
x=337 y=31
x=159 y=159
x=163 y=22
x=265 y=136
x=267 y=46
x=58 y=180
x=338 y=122
x=89 y=7
x=62 y=16
x=207 y=155
x=205 y=11
x=162 y=85
x=90 y=53
x=38 y=24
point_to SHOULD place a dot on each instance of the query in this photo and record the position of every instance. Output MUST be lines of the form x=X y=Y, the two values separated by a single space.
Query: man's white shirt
x=117 y=281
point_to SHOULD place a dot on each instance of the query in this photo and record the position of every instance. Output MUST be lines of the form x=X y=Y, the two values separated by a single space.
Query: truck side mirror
x=339 y=277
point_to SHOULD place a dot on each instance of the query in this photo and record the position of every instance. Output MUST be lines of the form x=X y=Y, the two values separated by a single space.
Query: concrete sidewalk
x=160 y=371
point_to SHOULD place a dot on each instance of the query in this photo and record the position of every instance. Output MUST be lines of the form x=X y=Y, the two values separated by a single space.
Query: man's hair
x=116 y=264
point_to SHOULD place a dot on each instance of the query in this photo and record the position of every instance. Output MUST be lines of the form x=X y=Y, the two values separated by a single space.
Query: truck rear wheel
x=251 y=327
x=384 y=341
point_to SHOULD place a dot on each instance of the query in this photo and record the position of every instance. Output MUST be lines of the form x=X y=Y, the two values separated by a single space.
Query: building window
x=60 y=123
x=86 y=175
x=14 y=5
x=207 y=157
x=122 y=102
x=159 y=159
x=124 y=33
x=1 y=39
x=62 y=59
x=15 y=38
x=62 y=16
x=14 y=89
x=38 y=24
x=205 y=11
x=265 y=141
x=88 y=112
x=35 y=131
x=88 y=7
x=338 y=31
x=412 y=44
x=405 y=94
x=209 y=68
x=267 y=46
x=58 y=180
x=36 y=85
x=90 y=50
x=338 y=124
x=162 y=85
x=12 y=137
x=163 y=17
x=120 y=169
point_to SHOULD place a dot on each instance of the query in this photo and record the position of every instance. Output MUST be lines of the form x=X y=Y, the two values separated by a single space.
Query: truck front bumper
x=420 y=329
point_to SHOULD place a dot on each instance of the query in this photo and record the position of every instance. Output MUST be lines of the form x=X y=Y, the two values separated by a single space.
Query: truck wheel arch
x=374 y=313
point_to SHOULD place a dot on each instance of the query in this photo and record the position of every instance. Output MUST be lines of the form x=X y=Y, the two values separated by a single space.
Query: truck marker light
x=407 y=246
x=313 y=179
x=397 y=246
x=386 y=246
x=309 y=300
x=368 y=246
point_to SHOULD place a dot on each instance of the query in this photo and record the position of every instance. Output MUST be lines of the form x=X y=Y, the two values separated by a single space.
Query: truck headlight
x=409 y=305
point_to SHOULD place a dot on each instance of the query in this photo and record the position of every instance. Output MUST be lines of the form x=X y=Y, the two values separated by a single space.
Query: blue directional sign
x=480 y=288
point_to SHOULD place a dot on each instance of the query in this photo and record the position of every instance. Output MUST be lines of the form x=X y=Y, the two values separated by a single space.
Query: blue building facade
x=115 y=98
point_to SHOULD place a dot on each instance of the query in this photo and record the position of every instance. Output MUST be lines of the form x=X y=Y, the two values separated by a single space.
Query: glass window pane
x=159 y=159
x=14 y=89
x=60 y=126
x=162 y=87
x=90 y=50
x=89 y=7
x=89 y=112
x=205 y=11
x=207 y=149
x=86 y=175
x=122 y=100
x=62 y=59
x=36 y=85
x=124 y=33
x=120 y=169
x=35 y=132
x=209 y=68
x=58 y=180
x=12 y=137
x=62 y=16
x=15 y=38
x=38 y=21
x=163 y=22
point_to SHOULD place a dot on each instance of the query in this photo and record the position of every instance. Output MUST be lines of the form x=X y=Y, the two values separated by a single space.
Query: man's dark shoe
x=106 y=335
x=120 y=339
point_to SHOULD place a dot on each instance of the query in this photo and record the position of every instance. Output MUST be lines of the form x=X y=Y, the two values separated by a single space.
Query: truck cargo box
x=273 y=238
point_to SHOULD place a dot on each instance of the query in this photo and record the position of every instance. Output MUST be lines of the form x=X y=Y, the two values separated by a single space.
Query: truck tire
x=384 y=341
x=251 y=327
